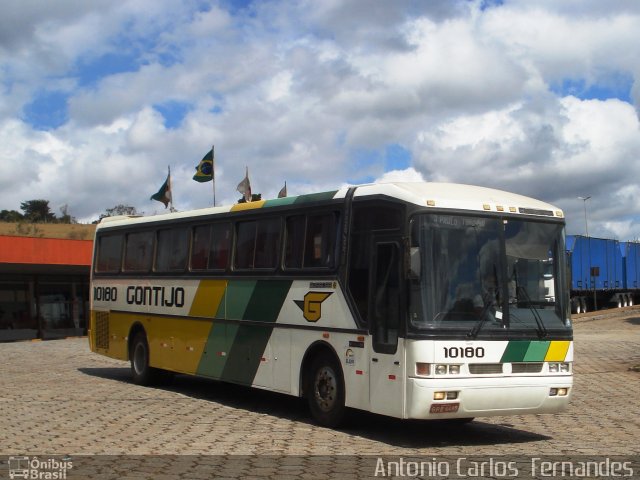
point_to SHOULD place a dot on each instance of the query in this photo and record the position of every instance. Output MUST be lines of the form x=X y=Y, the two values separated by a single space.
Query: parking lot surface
x=59 y=399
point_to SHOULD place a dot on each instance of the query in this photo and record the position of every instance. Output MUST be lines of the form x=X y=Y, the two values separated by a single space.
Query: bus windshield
x=488 y=276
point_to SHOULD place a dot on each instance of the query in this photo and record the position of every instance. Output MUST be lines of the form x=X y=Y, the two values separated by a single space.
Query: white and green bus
x=413 y=300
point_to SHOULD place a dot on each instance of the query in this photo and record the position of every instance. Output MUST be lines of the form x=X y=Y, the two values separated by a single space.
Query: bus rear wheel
x=325 y=391
x=141 y=372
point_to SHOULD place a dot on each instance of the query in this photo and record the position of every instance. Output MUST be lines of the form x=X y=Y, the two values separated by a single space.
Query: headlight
x=441 y=369
x=424 y=369
x=559 y=367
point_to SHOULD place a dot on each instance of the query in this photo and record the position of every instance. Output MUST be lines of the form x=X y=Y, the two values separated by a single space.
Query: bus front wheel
x=325 y=391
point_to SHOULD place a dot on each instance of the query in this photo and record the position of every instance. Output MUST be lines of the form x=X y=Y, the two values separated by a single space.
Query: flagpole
x=213 y=174
x=170 y=189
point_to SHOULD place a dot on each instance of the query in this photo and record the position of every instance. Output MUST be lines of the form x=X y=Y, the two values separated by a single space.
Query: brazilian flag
x=204 y=170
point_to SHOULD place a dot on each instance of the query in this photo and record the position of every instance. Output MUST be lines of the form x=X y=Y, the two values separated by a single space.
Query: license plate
x=444 y=408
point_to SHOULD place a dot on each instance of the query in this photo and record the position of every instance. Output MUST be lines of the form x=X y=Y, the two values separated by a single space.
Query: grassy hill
x=74 y=231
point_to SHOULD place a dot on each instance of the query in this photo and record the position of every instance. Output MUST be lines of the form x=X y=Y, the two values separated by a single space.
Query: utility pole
x=591 y=269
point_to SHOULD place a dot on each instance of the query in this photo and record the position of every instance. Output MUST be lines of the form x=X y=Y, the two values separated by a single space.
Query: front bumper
x=482 y=397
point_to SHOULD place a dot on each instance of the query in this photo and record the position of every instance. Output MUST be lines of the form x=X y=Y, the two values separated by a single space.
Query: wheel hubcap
x=139 y=358
x=325 y=389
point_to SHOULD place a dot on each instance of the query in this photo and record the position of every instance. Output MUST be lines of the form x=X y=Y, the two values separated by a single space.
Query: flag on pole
x=204 y=170
x=164 y=194
x=244 y=187
x=283 y=191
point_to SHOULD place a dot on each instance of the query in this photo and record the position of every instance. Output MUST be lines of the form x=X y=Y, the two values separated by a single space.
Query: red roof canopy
x=45 y=251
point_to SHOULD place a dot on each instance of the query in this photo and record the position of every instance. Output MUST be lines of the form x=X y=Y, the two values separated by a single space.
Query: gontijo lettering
x=155 y=296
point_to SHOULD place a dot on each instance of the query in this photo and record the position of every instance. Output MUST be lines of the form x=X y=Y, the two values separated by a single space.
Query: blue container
x=631 y=264
x=596 y=263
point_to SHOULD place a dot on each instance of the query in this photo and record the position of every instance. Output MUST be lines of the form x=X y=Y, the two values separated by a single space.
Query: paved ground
x=57 y=398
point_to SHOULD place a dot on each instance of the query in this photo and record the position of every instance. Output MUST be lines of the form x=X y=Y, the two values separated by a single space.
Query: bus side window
x=109 y=253
x=294 y=248
x=385 y=297
x=138 y=252
x=220 y=246
x=173 y=247
x=320 y=241
x=245 y=244
x=200 y=247
x=257 y=244
x=267 y=243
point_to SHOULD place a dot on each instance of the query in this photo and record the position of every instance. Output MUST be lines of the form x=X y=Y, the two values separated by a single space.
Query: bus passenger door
x=386 y=380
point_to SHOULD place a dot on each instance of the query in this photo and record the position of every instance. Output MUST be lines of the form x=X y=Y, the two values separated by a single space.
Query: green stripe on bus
x=311 y=197
x=277 y=202
x=246 y=353
x=537 y=351
x=236 y=298
x=244 y=345
x=515 y=351
x=316 y=197
x=267 y=299
x=216 y=351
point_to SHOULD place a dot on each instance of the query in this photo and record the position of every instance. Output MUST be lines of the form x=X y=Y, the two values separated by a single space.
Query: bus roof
x=434 y=195
x=461 y=197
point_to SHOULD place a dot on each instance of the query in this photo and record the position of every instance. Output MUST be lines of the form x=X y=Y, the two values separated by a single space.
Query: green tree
x=10 y=216
x=37 y=211
x=118 y=210
x=66 y=217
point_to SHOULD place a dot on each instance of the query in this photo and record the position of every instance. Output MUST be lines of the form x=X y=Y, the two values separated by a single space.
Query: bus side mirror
x=414 y=263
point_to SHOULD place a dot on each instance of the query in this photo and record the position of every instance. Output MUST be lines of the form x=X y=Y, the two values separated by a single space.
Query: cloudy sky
x=537 y=97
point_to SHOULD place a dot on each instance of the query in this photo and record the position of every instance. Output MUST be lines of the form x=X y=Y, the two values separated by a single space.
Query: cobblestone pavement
x=58 y=398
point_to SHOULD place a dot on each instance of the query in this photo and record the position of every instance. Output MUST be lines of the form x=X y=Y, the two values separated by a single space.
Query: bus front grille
x=526 y=367
x=102 y=330
x=485 y=368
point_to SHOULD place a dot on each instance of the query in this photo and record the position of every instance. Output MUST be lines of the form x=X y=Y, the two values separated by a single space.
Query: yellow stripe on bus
x=557 y=351
x=175 y=343
x=208 y=297
x=247 y=205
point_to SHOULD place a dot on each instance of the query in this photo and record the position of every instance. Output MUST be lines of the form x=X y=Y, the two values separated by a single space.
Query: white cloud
x=570 y=148
x=406 y=175
x=560 y=46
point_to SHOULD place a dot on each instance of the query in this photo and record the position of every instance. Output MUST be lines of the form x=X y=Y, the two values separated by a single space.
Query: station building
x=44 y=287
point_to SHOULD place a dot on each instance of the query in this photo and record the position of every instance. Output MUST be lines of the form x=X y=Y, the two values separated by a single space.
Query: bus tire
x=141 y=372
x=325 y=391
x=576 y=306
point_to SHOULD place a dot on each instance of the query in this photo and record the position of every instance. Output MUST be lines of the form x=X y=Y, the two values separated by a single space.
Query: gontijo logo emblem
x=311 y=306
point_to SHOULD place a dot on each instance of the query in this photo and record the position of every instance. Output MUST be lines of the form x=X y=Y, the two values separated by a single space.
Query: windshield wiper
x=483 y=316
x=542 y=331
